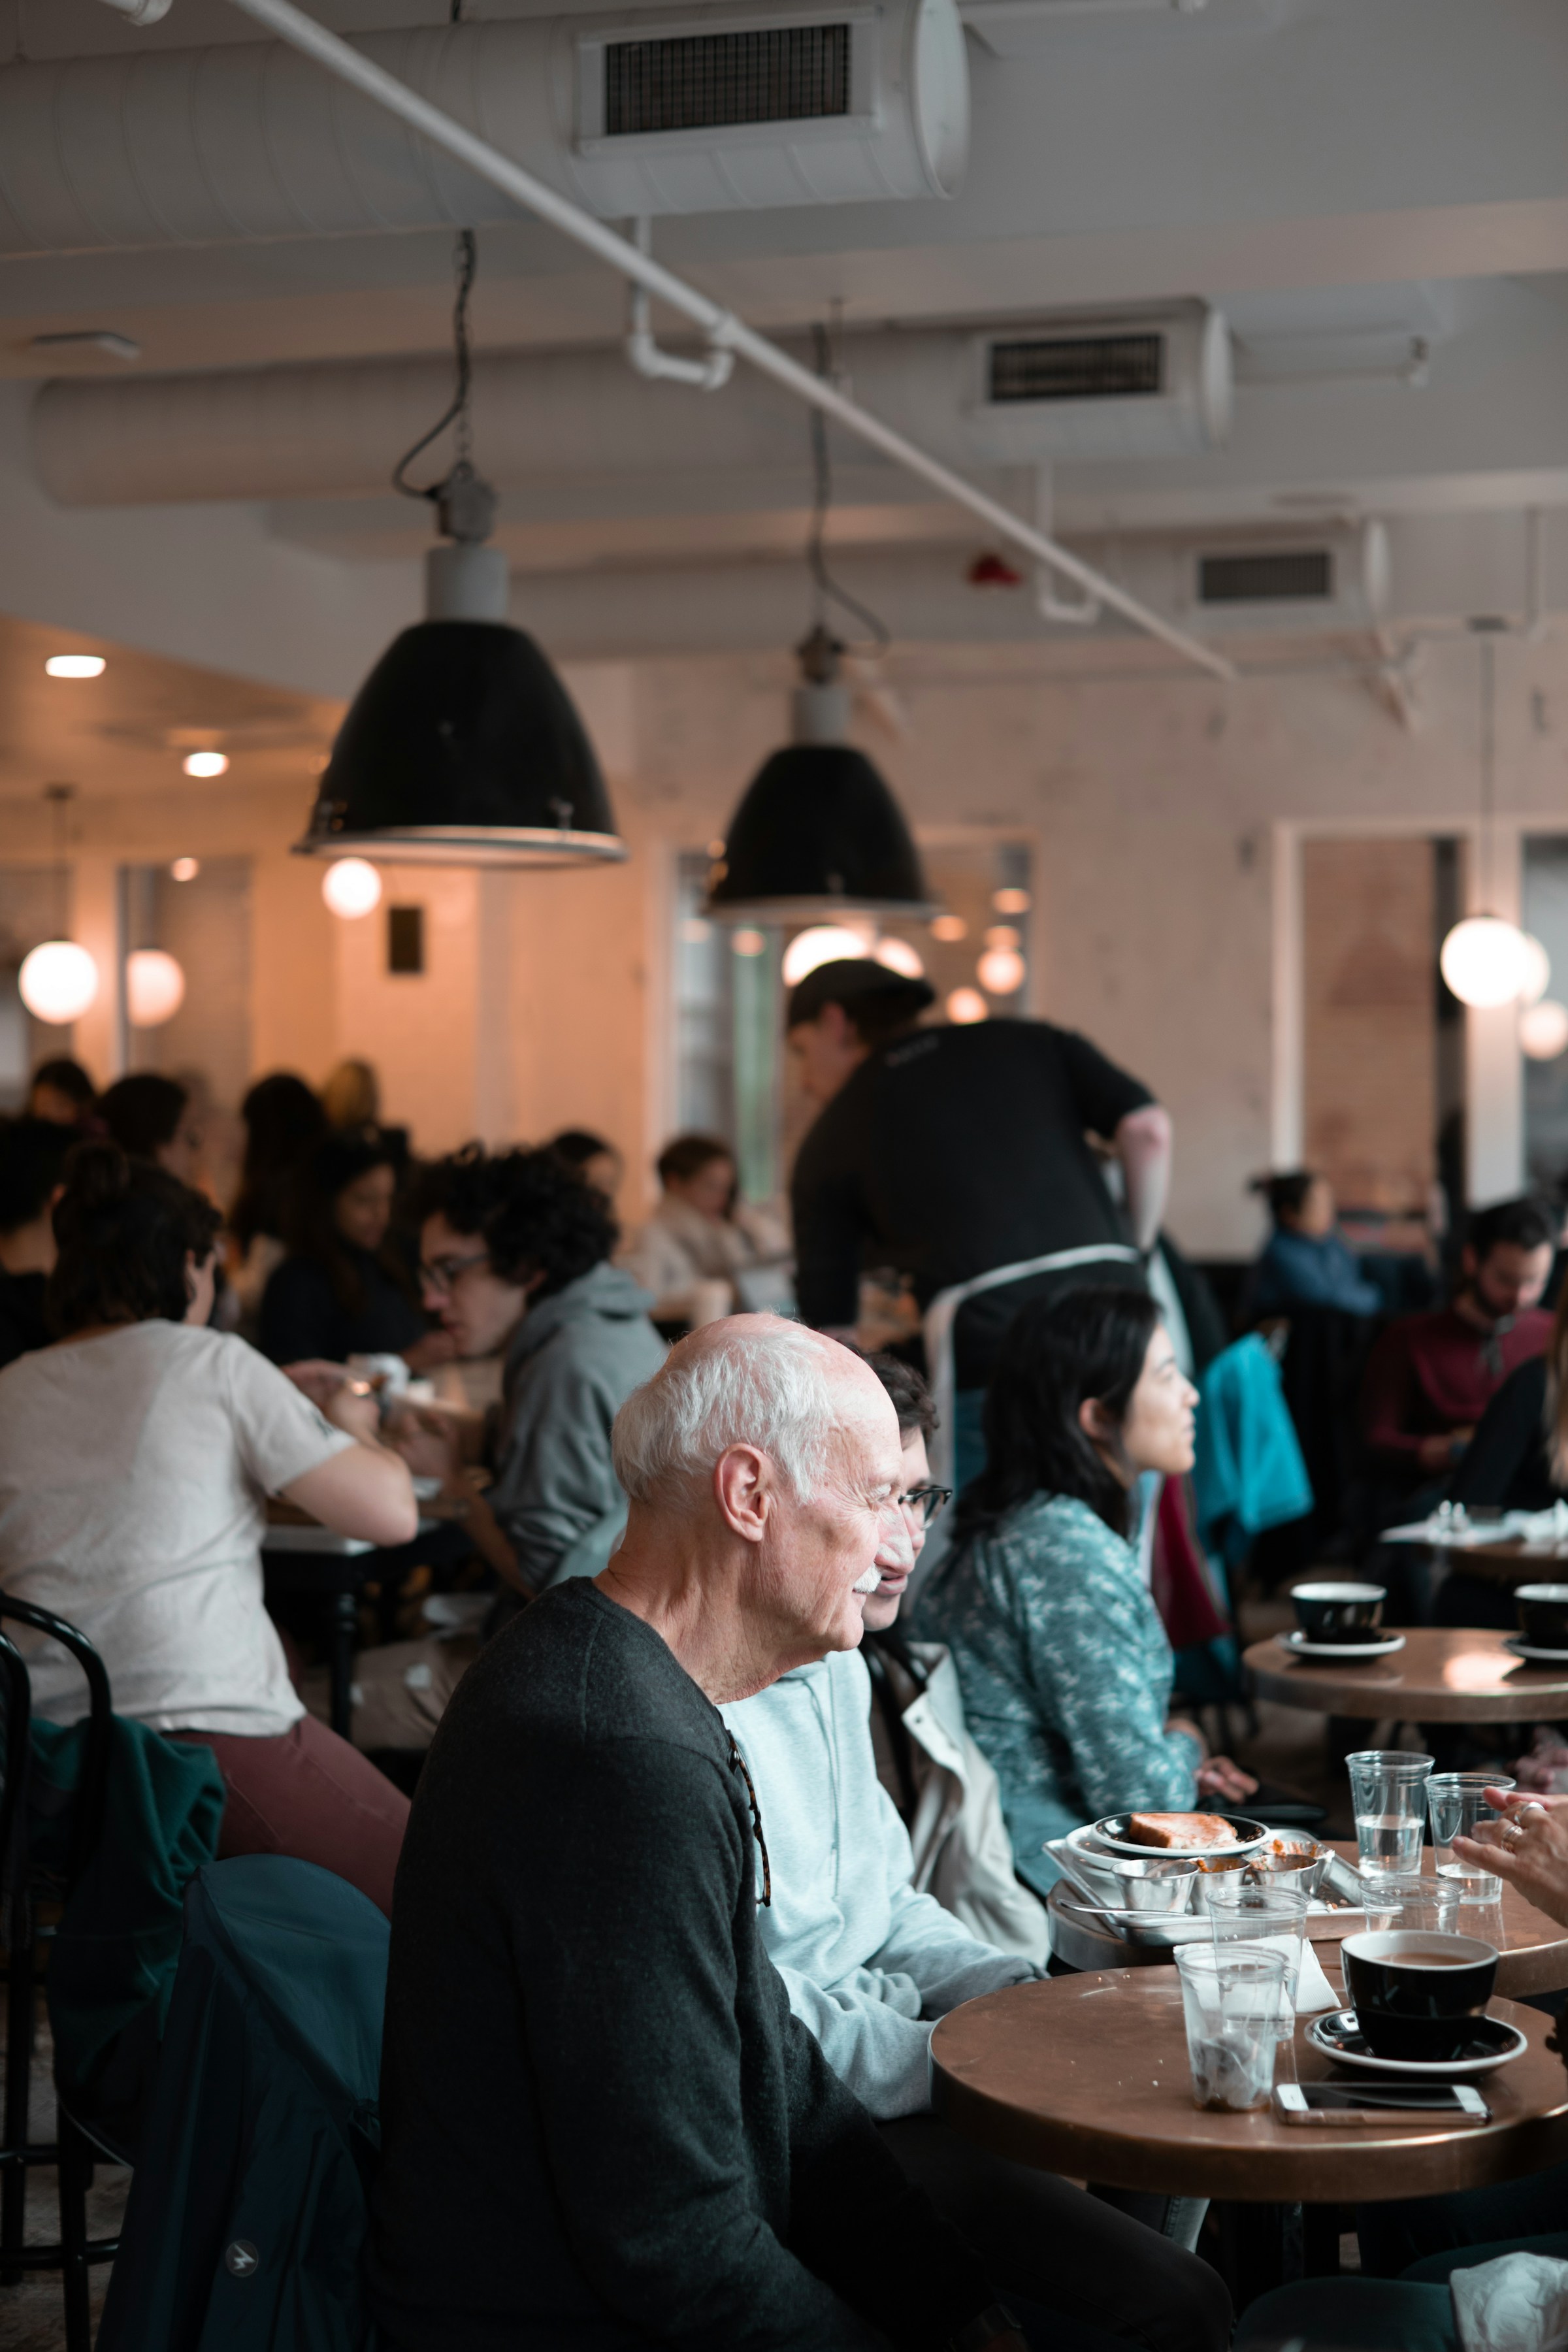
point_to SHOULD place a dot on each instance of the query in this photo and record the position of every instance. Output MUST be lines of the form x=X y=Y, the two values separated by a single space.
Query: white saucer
x=1425 y=2070
x=1299 y=1647
x=1522 y=1649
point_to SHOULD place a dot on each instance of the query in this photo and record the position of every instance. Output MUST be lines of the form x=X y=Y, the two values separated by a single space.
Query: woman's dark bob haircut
x=1060 y=1353
x=125 y=1229
x=144 y=1112
x=534 y=1214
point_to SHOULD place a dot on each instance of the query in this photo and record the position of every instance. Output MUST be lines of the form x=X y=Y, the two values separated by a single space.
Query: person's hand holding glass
x=1525 y=1843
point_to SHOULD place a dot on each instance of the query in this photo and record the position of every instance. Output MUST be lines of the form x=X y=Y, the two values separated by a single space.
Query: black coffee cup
x=1417 y=1994
x=1340 y=1612
x=1543 y=1615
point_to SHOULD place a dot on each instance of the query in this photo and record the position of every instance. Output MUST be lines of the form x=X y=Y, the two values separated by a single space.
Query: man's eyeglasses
x=922 y=1503
x=442 y=1273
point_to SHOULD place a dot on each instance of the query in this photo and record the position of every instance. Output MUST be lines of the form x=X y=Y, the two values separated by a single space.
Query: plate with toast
x=1178 y=1837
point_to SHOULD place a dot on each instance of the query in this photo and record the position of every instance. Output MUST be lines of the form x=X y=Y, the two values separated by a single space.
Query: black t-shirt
x=302 y=1315
x=953 y=1151
x=601 y=2124
x=22 y=1324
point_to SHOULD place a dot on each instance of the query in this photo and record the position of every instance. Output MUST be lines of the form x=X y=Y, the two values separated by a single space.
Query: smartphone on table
x=1353 y=2102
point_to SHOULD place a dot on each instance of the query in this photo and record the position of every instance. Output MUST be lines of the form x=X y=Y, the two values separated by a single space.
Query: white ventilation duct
x=707 y=111
x=1151 y=384
x=336 y=429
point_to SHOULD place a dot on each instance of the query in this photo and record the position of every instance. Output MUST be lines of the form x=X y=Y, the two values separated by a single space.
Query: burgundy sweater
x=1432 y=1373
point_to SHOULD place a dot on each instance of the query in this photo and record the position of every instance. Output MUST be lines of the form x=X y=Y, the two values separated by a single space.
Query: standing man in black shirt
x=961 y=1156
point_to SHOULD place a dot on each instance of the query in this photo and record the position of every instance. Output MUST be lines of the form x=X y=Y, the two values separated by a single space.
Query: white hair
x=767 y=1385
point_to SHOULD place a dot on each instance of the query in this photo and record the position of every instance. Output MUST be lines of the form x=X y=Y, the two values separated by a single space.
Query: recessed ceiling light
x=205 y=763
x=76 y=665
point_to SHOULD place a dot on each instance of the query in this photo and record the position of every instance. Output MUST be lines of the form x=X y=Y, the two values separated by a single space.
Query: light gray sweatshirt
x=869 y=1964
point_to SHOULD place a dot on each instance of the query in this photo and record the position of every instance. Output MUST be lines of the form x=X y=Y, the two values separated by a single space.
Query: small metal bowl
x=1302 y=1868
x=1155 y=1886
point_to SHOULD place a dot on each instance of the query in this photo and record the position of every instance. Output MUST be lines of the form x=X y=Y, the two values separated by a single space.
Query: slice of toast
x=1195 y=1830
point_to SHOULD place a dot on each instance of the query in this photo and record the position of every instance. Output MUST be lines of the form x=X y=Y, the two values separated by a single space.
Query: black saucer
x=1489 y=2043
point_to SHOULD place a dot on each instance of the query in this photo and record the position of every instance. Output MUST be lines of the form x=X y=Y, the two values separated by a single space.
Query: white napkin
x=1313 y=1991
x=1518 y=2304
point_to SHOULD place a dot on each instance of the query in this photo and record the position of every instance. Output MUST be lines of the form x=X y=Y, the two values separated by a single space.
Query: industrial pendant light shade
x=462 y=747
x=818 y=833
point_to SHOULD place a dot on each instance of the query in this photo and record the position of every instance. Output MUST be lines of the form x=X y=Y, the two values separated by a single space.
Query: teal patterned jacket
x=1066 y=1673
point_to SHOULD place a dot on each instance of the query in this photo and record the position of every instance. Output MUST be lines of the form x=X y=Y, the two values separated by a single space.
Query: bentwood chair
x=24 y=1886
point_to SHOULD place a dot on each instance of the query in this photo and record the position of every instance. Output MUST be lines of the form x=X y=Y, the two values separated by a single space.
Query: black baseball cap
x=848 y=980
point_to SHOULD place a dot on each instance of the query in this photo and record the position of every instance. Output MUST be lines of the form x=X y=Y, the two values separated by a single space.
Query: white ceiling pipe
x=336 y=429
x=721 y=329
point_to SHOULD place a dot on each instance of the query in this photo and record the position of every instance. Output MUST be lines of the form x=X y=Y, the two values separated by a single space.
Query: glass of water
x=1388 y=1790
x=1273 y=1918
x=1231 y=1997
x=1456 y=1803
x=1397 y=1898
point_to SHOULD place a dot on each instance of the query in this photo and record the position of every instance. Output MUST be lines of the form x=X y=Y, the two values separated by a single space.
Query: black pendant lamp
x=818 y=833
x=462 y=747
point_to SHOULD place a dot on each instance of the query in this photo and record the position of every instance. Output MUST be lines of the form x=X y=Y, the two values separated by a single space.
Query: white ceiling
x=1341 y=177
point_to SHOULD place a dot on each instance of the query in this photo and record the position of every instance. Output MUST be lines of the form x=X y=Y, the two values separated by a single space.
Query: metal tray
x=1340 y=1901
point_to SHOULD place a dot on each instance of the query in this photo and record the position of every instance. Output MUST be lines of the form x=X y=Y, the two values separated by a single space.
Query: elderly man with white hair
x=602 y=2124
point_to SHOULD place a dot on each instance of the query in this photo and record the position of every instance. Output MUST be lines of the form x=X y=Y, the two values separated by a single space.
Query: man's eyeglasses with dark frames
x=924 y=1502
x=442 y=1273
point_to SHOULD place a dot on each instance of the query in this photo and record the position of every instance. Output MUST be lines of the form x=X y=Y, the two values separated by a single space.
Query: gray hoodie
x=575 y=1360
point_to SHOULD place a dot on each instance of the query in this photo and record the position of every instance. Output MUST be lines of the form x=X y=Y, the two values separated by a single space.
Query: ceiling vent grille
x=1078 y=367
x=1268 y=576
x=711 y=81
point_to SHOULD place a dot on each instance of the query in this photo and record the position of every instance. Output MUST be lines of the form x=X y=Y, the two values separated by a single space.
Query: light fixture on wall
x=817 y=832
x=205 y=763
x=59 y=981
x=352 y=888
x=1544 y=1030
x=1486 y=959
x=462 y=747
x=75 y=666
x=1000 y=971
x=154 y=987
x=965 y=1005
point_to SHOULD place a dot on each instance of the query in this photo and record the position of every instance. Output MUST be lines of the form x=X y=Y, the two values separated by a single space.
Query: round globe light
x=1537 y=971
x=824 y=943
x=1544 y=1030
x=949 y=929
x=967 y=1004
x=1485 y=961
x=352 y=888
x=747 y=942
x=58 y=981
x=186 y=869
x=1000 y=971
x=154 y=988
x=1010 y=902
x=897 y=955
x=205 y=763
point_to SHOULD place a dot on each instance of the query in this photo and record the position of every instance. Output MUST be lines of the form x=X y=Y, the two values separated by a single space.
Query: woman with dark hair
x=283 y=1120
x=701 y=1239
x=342 y=1289
x=514 y=1253
x=61 y=1092
x=1064 y=1663
x=1304 y=1262
x=153 y=1117
x=136 y=1455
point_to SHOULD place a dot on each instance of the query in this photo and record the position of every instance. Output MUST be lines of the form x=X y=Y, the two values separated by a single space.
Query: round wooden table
x=1438 y=1677
x=1088 y=2076
x=1511 y=1560
x=1534 y=1948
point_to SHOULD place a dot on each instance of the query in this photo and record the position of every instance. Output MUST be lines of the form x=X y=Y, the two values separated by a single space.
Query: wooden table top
x=1534 y=1948
x=1513 y=1559
x=1088 y=2076
x=1438 y=1677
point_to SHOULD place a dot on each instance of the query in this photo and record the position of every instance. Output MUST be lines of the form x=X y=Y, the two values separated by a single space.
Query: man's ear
x=743 y=1488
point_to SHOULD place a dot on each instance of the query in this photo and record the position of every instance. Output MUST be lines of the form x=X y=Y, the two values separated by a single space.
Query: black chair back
x=87 y=1809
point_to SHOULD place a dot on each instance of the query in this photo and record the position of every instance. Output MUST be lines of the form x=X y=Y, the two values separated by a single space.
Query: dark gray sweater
x=603 y=2127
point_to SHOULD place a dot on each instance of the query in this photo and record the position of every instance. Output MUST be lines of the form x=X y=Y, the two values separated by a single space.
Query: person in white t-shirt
x=136 y=1455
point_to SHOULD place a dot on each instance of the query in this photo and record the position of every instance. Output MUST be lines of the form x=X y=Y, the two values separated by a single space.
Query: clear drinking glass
x=1397 y=1898
x=1388 y=1792
x=1455 y=1803
x=1231 y=1997
x=1271 y=1919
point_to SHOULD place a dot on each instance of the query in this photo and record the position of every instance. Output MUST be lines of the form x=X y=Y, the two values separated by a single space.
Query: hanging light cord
x=464 y=256
x=59 y=797
x=1488 y=862
x=827 y=589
